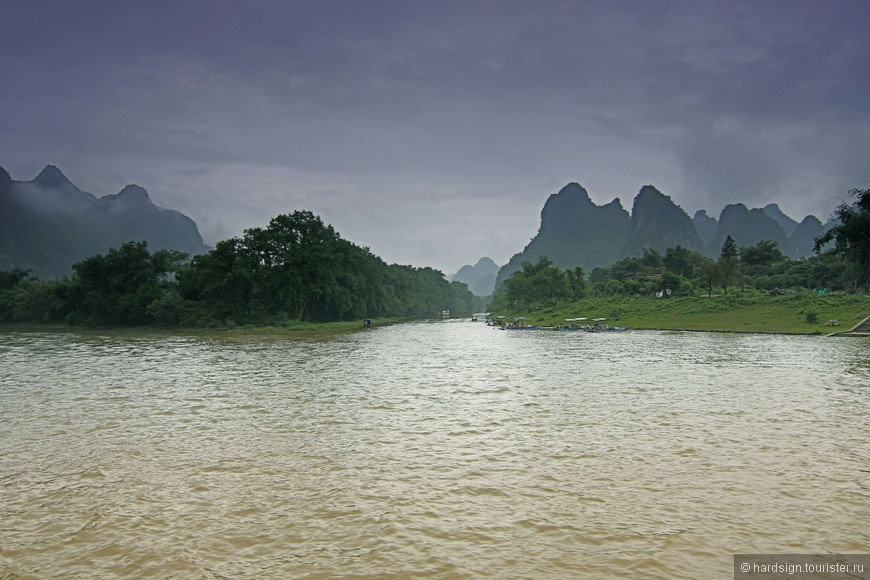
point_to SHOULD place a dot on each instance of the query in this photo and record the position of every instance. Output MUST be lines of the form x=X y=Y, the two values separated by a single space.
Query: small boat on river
x=518 y=324
x=599 y=326
x=572 y=326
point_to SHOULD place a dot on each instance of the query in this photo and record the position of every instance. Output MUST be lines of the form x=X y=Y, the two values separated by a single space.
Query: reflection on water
x=441 y=450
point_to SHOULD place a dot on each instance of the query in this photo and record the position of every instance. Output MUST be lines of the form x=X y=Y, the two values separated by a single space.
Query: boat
x=599 y=326
x=518 y=324
x=571 y=326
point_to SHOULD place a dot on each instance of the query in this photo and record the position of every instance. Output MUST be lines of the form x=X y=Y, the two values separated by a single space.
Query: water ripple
x=442 y=450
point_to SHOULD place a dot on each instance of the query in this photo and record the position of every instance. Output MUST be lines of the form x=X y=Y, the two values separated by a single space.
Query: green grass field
x=736 y=312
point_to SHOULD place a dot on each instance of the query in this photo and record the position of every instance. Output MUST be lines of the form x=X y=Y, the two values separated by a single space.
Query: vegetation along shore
x=299 y=274
x=294 y=273
x=799 y=313
x=746 y=289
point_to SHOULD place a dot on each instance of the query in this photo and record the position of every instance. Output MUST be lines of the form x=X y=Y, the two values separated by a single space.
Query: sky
x=433 y=132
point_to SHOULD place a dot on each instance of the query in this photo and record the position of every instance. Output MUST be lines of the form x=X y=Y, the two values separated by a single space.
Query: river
x=427 y=450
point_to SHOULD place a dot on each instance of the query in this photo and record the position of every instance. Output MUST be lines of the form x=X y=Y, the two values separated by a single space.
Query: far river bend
x=427 y=450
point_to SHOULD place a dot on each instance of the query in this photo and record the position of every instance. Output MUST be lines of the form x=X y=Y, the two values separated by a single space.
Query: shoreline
x=303 y=330
x=799 y=314
x=285 y=332
x=804 y=314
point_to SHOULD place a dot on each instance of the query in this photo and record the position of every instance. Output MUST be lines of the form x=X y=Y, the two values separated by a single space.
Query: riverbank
x=300 y=327
x=804 y=313
x=292 y=329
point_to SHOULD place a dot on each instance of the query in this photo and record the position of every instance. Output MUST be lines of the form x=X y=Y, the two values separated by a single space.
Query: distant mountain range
x=480 y=278
x=575 y=231
x=48 y=224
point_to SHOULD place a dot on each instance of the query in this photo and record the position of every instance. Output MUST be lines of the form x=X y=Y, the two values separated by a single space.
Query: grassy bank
x=804 y=313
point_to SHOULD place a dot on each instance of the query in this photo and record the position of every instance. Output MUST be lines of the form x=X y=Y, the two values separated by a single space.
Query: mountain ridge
x=574 y=231
x=480 y=277
x=47 y=224
x=565 y=213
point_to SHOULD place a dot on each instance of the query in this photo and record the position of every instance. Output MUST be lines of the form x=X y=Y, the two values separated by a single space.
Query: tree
x=709 y=274
x=764 y=253
x=728 y=266
x=679 y=261
x=851 y=236
x=669 y=281
x=576 y=282
x=729 y=248
x=639 y=285
x=600 y=274
x=551 y=285
x=538 y=283
x=10 y=279
x=651 y=258
x=629 y=266
x=297 y=261
x=117 y=288
x=32 y=300
x=297 y=267
x=223 y=279
x=613 y=287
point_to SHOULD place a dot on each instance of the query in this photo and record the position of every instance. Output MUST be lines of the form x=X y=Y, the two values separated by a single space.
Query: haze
x=434 y=132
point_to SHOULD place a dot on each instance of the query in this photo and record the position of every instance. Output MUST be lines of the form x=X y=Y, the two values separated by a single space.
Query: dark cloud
x=433 y=132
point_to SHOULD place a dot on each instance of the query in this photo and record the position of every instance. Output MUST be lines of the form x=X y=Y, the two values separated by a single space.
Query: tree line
x=841 y=263
x=299 y=268
x=296 y=269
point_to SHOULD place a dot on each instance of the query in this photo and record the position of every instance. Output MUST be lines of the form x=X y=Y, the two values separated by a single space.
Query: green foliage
x=600 y=274
x=10 y=279
x=538 y=285
x=296 y=269
x=613 y=288
x=615 y=314
x=760 y=269
x=32 y=300
x=747 y=312
x=680 y=261
x=576 y=283
x=727 y=270
x=669 y=281
x=812 y=316
x=626 y=267
x=116 y=289
x=764 y=253
x=651 y=258
x=851 y=236
x=299 y=270
x=729 y=249
x=639 y=285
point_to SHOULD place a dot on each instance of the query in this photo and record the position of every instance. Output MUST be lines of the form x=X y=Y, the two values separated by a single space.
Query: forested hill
x=575 y=231
x=296 y=269
x=48 y=224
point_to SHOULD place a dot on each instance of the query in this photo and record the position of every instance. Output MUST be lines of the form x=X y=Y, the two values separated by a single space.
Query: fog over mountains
x=48 y=224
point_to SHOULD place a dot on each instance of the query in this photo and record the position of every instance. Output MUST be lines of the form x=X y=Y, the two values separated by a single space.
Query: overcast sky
x=433 y=131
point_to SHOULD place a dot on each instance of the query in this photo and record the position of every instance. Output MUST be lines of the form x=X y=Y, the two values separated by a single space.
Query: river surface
x=427 y=450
